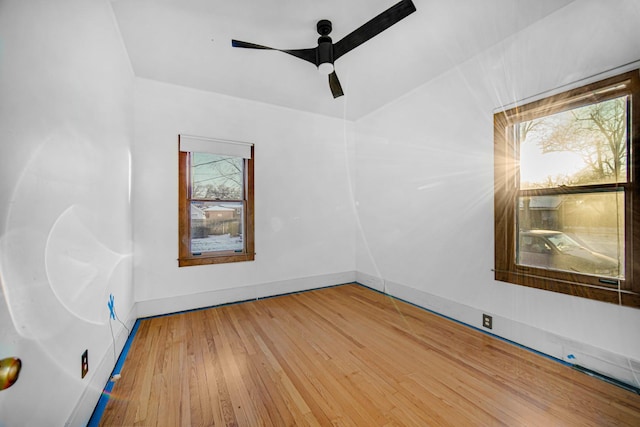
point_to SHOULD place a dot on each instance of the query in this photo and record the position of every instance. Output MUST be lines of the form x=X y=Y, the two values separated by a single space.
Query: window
x=566 y=197
x=215 y=209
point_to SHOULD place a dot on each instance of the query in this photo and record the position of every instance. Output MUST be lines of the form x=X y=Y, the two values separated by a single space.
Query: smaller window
x=215 y=209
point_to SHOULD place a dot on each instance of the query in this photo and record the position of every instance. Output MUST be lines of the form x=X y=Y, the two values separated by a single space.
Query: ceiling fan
x=324 y=55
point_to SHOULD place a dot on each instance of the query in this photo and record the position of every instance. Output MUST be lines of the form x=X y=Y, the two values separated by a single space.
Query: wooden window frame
x=185 y=257
x=506 y=192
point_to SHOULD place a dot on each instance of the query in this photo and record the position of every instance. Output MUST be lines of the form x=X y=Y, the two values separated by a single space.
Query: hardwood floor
x=346 y=356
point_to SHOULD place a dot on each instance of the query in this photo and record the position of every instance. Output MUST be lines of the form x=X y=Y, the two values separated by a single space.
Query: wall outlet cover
x=487 y=321
x=84 y=362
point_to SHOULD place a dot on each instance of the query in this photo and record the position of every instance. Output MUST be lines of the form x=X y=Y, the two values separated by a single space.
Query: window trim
x=506 y=191
x=185 y=257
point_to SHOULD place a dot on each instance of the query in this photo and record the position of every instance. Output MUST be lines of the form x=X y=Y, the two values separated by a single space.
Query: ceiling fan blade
x=373 y=27
x=308 y=55
x=238 y=43
x=334 y=84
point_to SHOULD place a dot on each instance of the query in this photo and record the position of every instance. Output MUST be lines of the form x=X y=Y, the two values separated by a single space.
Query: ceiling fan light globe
x=325 y=68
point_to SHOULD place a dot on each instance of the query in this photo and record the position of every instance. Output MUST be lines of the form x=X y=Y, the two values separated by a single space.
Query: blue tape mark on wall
x=110 y=304
x=571 y=357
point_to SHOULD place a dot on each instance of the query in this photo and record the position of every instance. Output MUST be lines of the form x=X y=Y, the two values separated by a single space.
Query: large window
x=567 y=207
x=215 y=201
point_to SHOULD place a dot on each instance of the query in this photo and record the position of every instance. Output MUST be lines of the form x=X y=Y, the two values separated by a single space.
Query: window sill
x=600 y=293
x=215 y=259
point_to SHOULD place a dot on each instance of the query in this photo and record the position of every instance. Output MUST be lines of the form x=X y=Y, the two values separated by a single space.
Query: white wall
x=304 y=227
x=65 y=220
x=425 y=184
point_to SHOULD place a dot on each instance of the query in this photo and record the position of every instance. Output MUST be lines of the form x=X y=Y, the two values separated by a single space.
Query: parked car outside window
x=556 y=250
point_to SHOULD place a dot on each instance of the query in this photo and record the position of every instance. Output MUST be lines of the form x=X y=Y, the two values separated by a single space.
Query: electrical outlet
x=487 y=321
x=84 y=362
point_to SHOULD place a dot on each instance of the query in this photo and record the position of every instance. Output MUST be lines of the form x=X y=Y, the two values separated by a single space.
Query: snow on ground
x=217 y=243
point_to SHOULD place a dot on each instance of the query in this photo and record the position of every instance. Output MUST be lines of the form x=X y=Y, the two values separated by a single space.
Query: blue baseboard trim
x=94 y=421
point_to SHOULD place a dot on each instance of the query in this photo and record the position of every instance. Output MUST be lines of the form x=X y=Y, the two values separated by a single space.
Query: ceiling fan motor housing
x=324 y=53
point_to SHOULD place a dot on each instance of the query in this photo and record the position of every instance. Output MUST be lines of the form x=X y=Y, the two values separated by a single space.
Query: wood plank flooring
x=346 y=356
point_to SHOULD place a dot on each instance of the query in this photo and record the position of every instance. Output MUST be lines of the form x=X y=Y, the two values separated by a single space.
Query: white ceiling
x=188 y=43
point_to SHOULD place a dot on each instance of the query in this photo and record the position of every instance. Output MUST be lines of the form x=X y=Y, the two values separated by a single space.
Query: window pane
x=582 y=233
x=215 y=177
x=582 y=146
x=217 y=227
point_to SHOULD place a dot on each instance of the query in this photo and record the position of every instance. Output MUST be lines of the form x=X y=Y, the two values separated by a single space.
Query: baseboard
x=87 y=402
x=370 y=281
x=563 y=349
x=180 y=303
